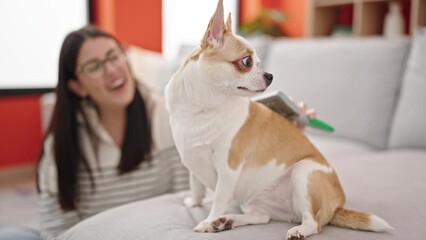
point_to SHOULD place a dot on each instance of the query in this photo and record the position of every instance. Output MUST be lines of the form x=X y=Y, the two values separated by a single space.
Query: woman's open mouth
x=118 y=84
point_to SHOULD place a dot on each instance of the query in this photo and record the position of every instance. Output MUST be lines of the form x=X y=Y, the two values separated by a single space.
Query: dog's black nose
x=268 y=78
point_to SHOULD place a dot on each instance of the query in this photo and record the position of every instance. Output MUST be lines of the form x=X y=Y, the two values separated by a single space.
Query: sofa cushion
x=352 y=83
x=409 y=126
x=147 y=66
x=332 y=146
x=383 y=183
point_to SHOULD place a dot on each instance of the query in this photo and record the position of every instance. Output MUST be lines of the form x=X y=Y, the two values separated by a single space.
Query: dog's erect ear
x=214 y=33
x=228 y=23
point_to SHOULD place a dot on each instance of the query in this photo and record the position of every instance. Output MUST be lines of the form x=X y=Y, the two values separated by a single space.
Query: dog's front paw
x=217 y=225
x=190 y=202
x=296 y=234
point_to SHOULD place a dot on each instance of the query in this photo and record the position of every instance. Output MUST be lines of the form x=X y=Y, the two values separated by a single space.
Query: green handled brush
x=281 y=104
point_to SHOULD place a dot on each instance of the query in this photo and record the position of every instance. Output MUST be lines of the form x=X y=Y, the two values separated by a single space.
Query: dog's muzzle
x=268 y=78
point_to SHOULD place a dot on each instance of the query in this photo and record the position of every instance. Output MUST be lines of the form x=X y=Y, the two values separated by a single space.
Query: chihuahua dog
x=244 y=151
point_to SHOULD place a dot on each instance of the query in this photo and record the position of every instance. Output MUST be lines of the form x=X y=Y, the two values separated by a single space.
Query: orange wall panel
x=20 y=130
x=104 y=14
x=295 y=11
x=139 y=23
x=249 y=10
x=134 y=22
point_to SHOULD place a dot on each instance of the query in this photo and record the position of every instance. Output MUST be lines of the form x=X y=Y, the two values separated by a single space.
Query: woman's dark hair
x=67 y=147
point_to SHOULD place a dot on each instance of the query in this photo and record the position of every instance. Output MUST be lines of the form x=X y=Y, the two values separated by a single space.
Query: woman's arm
x=53 y=220
x=163 y=140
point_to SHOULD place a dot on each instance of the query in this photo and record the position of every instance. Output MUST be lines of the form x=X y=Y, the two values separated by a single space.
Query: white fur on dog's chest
x=199 y=134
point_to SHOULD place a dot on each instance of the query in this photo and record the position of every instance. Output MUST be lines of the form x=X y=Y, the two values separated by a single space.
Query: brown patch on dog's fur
x=327 y=198
x=352 y=219
x=326 y=195
x=266 y=136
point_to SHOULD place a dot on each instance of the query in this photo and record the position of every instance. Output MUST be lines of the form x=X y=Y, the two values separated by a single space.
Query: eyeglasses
x=96 y=67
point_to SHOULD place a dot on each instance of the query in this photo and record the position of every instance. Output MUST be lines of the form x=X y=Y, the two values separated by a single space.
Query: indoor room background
x=33 y=30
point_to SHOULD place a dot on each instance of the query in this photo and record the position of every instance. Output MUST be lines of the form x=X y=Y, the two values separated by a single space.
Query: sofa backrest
x=409 y=126
x=352 y=82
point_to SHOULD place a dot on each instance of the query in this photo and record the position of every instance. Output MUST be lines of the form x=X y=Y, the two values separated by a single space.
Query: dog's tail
x=359 y=220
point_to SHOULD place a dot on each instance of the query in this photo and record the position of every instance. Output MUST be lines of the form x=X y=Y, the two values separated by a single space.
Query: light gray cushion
x=389 y=184
x=409 y=127
x=331 y=146
x=352 y=83
x=147 y=66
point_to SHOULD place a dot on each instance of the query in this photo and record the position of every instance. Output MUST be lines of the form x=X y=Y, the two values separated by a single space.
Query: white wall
x=31 y=34
x=185 y=21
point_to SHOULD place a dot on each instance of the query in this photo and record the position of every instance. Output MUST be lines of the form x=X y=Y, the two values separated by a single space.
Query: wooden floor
x=16 y=176
x=18 y=197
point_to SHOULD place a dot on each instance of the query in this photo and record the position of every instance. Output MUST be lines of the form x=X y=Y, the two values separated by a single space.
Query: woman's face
x=103 y=74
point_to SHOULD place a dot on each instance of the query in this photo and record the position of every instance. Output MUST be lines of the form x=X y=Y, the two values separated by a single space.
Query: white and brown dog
x=246 y=152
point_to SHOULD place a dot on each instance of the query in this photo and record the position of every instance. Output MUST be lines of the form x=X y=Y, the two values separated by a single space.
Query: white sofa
x=373 y=91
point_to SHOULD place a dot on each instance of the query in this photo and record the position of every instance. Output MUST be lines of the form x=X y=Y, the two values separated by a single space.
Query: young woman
x=108 y=142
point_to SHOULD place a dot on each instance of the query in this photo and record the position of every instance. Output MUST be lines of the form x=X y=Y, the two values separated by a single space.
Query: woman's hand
x=305 y=111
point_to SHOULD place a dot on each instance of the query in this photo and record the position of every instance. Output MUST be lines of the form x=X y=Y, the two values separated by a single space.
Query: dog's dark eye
x=247 y=61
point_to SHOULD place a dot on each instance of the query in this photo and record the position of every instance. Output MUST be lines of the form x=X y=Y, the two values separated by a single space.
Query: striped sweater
x=163 y=174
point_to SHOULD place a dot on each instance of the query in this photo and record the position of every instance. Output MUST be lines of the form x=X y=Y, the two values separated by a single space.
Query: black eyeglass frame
x=120 y=49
